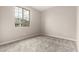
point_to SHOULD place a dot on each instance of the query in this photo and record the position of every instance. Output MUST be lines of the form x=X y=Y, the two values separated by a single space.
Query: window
x=22 y=17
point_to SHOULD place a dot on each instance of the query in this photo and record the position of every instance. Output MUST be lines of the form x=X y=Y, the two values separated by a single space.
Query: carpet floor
x=40 y=44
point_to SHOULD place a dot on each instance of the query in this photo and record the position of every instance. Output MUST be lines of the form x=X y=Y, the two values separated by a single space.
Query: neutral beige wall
x=0 y=27
x=59 y=22
x=10 y=32
x=78 y=28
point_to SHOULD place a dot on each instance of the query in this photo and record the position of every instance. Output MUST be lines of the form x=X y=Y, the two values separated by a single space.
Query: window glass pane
x=20 y=13
x=16 y=12
x=28 y=16
x=25 y=13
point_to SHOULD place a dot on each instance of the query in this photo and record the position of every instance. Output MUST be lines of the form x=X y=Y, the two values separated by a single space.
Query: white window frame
x=22 y=17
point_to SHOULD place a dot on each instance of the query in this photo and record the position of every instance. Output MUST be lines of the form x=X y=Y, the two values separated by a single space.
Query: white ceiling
x=41 y=8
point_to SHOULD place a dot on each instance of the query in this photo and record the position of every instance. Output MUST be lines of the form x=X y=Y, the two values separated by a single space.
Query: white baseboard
x=20 y=38
x=63 y=37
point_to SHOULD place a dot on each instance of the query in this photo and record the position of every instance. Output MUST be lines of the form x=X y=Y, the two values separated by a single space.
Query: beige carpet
x=40 y=44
